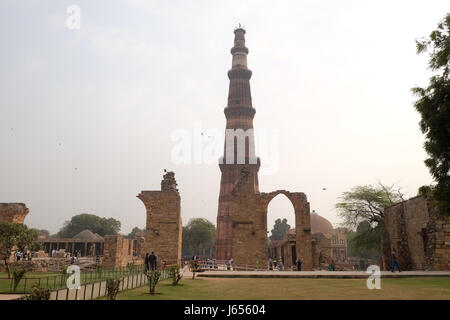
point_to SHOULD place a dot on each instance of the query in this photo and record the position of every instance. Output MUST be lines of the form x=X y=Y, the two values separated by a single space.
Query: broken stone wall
x=249 y=237
x=164 y=225
x=117 y=252
x=13 y=212
x=419 y=234
x=249 y=223
x=322 y=251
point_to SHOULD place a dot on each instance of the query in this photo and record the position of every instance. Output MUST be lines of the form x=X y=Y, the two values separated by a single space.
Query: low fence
x=224 y=265
x=94 y=290
x=59 y=281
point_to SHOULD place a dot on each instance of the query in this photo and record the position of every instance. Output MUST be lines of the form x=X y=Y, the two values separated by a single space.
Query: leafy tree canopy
x=15 y=235
x=362 y=208
x=133 y=232
x=365 y=241
x=367 y=203
x=44 y=232
x=198 y=237
x=280 y=228
x=433 y=104
x=96 y=224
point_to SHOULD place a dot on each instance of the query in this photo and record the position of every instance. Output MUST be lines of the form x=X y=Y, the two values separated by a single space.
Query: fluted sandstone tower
x=238 y=154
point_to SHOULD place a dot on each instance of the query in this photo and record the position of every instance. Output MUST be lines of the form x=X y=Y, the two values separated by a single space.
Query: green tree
x=280 y=228
x=433 y=104
x=198 y=237
x=365 y=241
x=96 y=224
x=133 y=232
x=42 y=232
x=362 y=208
x=14 y=236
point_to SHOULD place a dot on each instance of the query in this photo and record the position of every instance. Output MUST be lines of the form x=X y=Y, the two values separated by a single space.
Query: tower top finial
x=240 y=28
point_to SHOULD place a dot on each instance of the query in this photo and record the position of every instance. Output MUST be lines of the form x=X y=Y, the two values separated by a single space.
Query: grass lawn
x=293 y=289
x=5 y=283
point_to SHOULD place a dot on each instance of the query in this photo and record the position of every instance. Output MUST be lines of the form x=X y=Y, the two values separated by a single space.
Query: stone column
x=164 y=229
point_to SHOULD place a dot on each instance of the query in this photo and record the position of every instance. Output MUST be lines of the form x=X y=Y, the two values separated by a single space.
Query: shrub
x=175 y=274
x=153 y=278
x=193 y=265
x=64 y=269
x=38 y=293
x=112 y=288
x=130 y=266
x=18 y=274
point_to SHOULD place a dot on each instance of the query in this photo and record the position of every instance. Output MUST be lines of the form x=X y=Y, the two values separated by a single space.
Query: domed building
x=320 y=224
x=328 y=244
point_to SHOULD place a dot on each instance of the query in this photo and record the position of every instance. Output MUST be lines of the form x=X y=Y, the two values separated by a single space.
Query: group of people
x=24 y=256
x=275 y=264
x=150 y=261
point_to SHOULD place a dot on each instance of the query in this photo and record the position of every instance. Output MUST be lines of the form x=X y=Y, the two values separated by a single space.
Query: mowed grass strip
x=5 y=283
x=294 y=289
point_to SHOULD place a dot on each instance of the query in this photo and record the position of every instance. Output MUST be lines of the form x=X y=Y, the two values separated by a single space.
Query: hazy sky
x=87 y=115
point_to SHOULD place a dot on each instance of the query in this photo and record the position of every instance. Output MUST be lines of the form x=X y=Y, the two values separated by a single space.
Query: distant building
x=86 y=242
x=327 y=244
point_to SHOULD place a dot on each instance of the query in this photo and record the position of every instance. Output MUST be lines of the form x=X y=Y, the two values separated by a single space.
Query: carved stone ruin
x=13 y=212
x=164 y=226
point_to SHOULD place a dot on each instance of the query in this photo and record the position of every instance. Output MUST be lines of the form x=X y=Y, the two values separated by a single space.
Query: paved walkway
x=316 y=274
x=9 y=296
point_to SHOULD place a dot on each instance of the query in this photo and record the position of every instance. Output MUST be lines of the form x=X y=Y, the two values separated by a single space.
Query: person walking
x=331 y=266
x=270 y=264
x=395 y=261
x=146 y=262
x=153 y=260
x=280 y=265
x=299 y=264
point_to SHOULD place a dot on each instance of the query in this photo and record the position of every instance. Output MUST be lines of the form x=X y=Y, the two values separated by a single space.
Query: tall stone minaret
x=239 y=154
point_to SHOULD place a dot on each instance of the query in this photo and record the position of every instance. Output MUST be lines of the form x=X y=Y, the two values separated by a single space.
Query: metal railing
x=95 y=290
x=58 y=281
x=224 y=265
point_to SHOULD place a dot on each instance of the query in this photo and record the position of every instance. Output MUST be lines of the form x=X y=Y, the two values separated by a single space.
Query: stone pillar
x=303 y=230
x=164 y=226
x=13 y=212
x=112 y=254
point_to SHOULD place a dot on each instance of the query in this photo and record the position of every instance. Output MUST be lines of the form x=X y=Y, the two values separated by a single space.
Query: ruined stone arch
x=249 y=223
x=302 y=222
x=269 y=199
